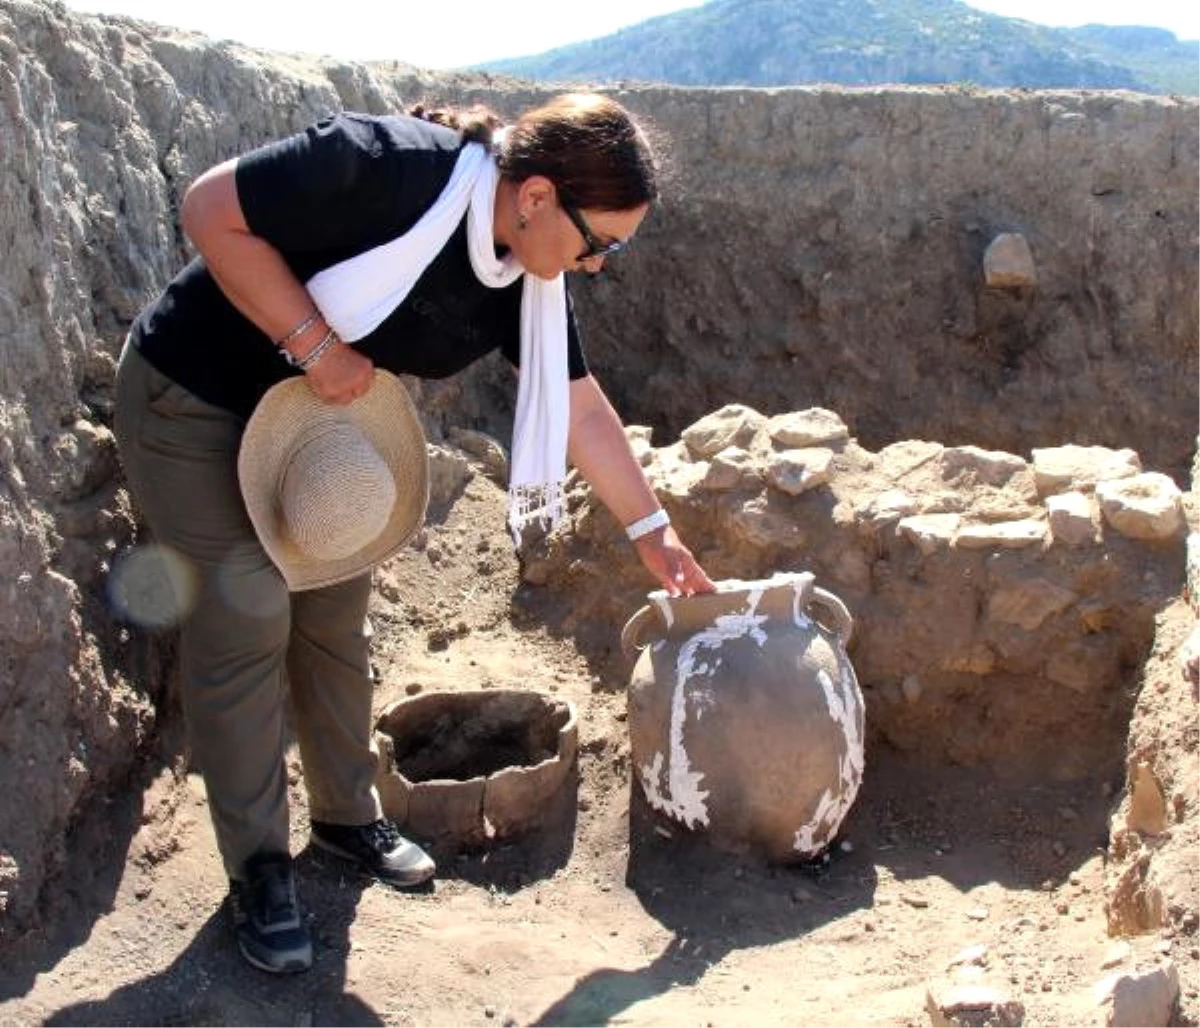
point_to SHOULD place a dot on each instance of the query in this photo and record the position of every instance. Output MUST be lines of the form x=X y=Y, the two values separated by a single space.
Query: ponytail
x=477 y=124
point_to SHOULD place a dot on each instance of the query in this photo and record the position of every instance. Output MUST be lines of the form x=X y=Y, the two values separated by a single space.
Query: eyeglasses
x=595 y=248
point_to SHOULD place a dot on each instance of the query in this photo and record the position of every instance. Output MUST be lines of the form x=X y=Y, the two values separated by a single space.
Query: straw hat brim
x=289 y=413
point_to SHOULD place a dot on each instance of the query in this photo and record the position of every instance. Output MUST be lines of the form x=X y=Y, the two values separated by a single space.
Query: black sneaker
x=267 y=920
x=379 y=849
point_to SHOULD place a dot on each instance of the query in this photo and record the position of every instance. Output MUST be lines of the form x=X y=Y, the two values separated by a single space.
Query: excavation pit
x=465 y=768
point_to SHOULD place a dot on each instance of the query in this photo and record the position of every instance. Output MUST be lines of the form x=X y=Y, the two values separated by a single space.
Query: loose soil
x=606 y=915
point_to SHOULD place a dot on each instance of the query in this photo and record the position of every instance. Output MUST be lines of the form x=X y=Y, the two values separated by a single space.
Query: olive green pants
x=244 y=639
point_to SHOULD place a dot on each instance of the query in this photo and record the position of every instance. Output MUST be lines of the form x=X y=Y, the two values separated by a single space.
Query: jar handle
x=837 y=616
x=631 y=634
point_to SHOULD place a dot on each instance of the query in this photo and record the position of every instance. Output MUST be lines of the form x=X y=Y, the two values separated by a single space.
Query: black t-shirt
x=348 y=183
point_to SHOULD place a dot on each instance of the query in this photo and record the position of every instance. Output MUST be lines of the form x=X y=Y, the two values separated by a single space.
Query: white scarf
x=356 y=296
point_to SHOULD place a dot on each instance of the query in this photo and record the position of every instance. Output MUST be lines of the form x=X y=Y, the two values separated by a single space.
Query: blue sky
x=432 y=35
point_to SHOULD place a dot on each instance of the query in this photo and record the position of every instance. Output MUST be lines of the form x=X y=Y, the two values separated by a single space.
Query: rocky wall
x=1002 y=606
x=813 y=248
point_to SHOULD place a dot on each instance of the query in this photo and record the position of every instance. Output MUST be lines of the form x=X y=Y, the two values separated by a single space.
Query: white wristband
x=644 y=526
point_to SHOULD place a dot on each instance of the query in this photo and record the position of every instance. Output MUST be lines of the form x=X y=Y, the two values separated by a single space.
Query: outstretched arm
x=598 y=447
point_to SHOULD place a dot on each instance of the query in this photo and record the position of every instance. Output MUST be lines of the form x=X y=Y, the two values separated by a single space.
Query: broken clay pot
x=464 y=768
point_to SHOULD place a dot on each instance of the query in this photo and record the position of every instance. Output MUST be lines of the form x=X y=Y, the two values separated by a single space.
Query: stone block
x=1147 y=506
x=1008 y=263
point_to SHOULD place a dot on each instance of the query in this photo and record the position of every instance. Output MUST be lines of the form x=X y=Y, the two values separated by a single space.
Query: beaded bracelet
x=299 y=330
x=644 y=526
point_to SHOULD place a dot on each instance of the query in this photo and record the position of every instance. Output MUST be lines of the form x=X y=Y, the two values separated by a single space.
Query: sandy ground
x=605 y=916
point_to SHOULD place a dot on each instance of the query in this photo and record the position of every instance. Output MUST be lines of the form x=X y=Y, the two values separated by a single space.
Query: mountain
x=867 y=42
x=1164 y=63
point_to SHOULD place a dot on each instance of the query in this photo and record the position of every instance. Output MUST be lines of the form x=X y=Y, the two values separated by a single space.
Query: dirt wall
x=827 y=248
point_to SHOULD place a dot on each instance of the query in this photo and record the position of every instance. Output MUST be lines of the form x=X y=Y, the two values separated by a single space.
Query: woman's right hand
x=341 y=375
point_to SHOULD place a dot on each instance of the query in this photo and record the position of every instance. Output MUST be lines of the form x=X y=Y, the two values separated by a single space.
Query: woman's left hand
x=672 y=563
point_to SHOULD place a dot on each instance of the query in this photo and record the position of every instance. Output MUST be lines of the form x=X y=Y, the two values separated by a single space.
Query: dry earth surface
x=605 y=916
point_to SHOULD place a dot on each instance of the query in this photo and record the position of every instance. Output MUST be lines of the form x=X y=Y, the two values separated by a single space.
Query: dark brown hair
x=588 y=145
x=477 y=124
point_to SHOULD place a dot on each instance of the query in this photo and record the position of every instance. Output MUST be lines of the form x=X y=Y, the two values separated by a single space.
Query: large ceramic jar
x=745 y=715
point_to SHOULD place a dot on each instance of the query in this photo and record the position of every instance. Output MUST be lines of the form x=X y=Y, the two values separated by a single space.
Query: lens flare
x=152 y=586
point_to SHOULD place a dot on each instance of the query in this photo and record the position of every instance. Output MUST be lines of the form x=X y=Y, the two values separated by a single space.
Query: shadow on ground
x=97 y=848
x=209 y=984
x=742 y=904
x=512 y=864
x=966 y=826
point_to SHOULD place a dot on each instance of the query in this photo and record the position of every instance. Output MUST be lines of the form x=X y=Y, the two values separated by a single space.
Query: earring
x=522 y=222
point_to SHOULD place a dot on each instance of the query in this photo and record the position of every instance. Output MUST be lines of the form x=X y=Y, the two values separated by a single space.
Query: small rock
x=1145 y=997
x=1116 y=955
x=727 y=469
x=1145 y=506
x=733 y=425
x=1061 y=468
x=1071 y=519
x=797 y=471
x=813 y=427
x=977 y=913
x=914 y=900
x=1008 y=262
x=976 y=954
x=1004 y=534
x=929 y=532
x=973 y=1004
x=1147 y=811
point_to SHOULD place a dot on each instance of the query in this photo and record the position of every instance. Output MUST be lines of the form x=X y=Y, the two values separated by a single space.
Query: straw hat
x=333 y=490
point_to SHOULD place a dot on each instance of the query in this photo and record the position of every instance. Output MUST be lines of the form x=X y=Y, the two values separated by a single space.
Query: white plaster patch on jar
x=702 y=700
x=651 y=775
x=685 y=799
x=662 y=602
x=831 y=810
x=801 y=585
x=736 y=626
x=856 y=727
x=807 y=840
